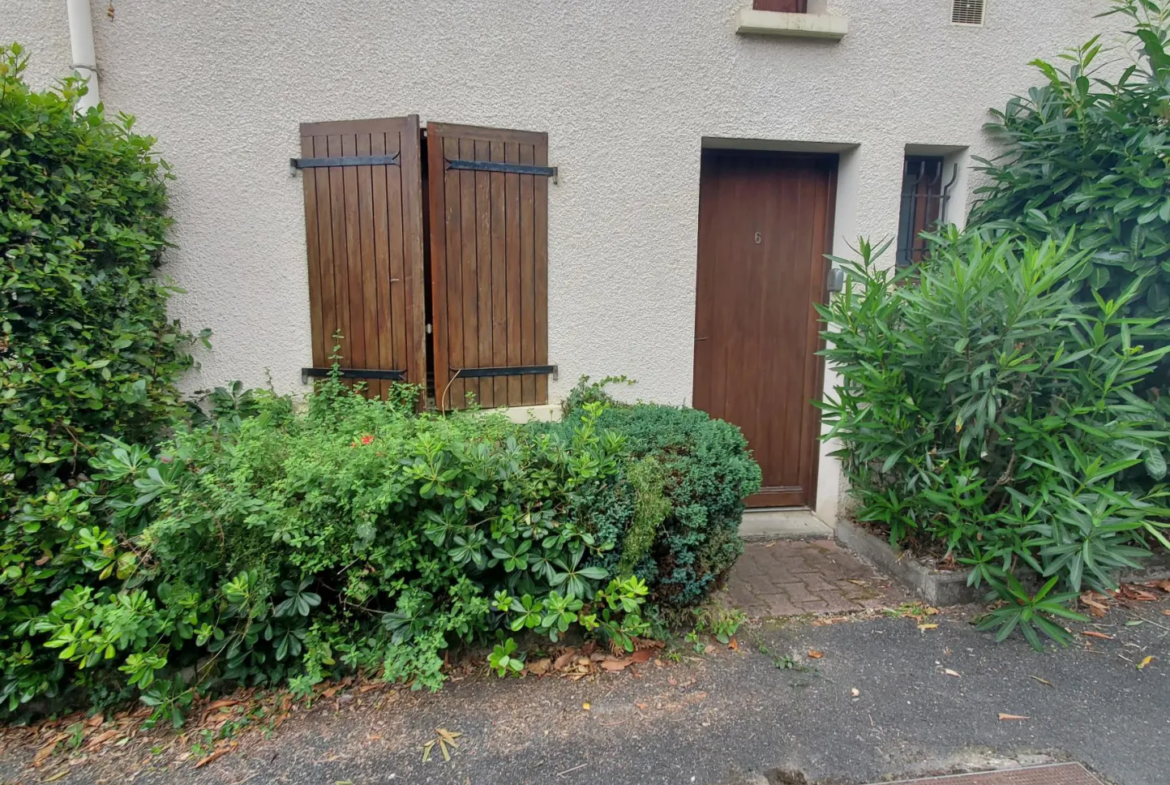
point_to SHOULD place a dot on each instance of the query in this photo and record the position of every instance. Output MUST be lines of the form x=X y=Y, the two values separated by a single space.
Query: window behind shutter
x=489 y=265
x=788 y=6
x=363 y=219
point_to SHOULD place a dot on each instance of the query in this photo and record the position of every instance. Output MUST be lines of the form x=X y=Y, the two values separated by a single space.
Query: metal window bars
x=924 y=204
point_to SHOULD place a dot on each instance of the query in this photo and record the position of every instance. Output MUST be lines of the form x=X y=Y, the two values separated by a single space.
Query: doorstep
x=783 y=524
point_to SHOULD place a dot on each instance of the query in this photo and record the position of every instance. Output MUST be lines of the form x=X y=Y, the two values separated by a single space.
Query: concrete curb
x=935 y=586
x=949 y=587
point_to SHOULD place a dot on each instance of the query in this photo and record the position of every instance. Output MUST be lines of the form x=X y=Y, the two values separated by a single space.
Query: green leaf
x=1155 y=463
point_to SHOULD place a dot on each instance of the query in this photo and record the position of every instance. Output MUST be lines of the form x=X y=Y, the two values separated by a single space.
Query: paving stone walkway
x=795 y=577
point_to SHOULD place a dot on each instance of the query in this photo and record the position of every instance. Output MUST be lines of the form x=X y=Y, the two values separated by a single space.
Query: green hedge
x=703 y=471
x=265 y=546
x=86 y=348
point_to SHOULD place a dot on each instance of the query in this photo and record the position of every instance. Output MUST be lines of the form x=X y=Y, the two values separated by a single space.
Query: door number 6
x=759 y=238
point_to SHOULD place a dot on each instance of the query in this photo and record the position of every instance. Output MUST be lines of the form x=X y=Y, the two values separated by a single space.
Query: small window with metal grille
x=924 y=204
x=967 y=12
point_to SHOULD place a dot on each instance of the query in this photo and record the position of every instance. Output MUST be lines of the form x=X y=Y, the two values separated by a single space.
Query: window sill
x=748 y=21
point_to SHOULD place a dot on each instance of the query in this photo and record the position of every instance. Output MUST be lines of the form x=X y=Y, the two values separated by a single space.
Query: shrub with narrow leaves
x=984 y=410
x=1089 y=157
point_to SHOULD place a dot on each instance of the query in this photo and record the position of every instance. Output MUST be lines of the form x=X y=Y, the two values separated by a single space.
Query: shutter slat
x=527 y=278
x=340 y=270
x=512 y=264
x=540 y=273
x=355 y=339
x=499 y=276
x=369 y=291
x=381 y=240
x=312 y=250
x=469 y=282
x=483 y=271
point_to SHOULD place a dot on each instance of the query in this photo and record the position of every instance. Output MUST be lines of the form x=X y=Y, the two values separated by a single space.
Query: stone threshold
x=783 y=524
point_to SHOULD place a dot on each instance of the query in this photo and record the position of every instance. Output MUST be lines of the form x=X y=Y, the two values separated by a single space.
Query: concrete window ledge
x=748 y=21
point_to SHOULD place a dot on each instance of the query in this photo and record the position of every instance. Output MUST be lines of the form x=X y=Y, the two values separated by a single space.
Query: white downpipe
x=84 y=61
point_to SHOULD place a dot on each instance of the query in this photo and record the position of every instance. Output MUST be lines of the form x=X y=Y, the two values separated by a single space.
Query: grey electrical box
x=836 y=279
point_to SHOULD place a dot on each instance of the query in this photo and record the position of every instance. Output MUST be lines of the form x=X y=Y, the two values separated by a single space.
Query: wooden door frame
x=815 y=363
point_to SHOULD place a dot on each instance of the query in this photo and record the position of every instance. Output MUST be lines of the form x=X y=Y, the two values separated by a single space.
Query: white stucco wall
x=626 y=90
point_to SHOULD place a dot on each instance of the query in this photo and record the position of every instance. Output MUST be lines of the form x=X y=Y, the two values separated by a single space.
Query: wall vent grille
x=967 y=12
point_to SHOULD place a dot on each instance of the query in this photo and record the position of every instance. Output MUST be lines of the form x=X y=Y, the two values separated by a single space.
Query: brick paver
x=795 y=577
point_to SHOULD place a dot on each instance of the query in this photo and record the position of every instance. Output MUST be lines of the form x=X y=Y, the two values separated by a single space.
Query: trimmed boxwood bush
x=702 y=471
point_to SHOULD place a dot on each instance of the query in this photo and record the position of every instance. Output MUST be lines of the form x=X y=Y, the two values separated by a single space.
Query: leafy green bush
x=1090 y=154
x=276 y=547
x=984 y=410
x=86 y=348
x=680 y=511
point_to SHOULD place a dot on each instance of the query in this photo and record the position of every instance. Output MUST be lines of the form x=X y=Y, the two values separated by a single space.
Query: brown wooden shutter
x=364 y=232
x=489 y=265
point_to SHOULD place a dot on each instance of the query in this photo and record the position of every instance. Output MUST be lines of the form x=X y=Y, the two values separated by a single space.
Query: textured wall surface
x=627 y=91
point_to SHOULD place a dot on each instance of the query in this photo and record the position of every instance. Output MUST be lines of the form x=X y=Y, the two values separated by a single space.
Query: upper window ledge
x=749 y=21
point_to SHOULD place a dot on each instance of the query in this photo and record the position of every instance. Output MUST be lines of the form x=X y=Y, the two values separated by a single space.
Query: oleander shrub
x=86 y=348
x=1089 y=157
x=986 y=413
x=677 y=507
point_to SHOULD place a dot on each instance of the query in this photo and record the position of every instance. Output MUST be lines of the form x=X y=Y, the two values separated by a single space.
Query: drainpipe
x=84 y=61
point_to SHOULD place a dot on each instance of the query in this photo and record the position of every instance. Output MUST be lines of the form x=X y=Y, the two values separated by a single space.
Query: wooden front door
x=765 y=224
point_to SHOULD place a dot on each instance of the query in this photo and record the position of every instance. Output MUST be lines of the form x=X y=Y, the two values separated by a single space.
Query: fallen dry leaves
x=213 y=756
x=1141 y=665
x=444 y=738
x=1132 y=593
x=1095 y=634
x=1003 y=716
x=1099 y=603
x=814 y=654
x=47 y=750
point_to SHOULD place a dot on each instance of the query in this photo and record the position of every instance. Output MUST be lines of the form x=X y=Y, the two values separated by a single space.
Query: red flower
x=367 y=439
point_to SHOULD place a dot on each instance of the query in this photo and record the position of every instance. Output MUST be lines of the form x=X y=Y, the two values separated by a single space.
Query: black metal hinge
x=353 y=373
x=506 y=168
x=518 y=370
x=344 y=160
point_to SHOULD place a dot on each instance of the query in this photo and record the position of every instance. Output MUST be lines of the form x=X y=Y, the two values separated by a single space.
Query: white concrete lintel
x=749 y=21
